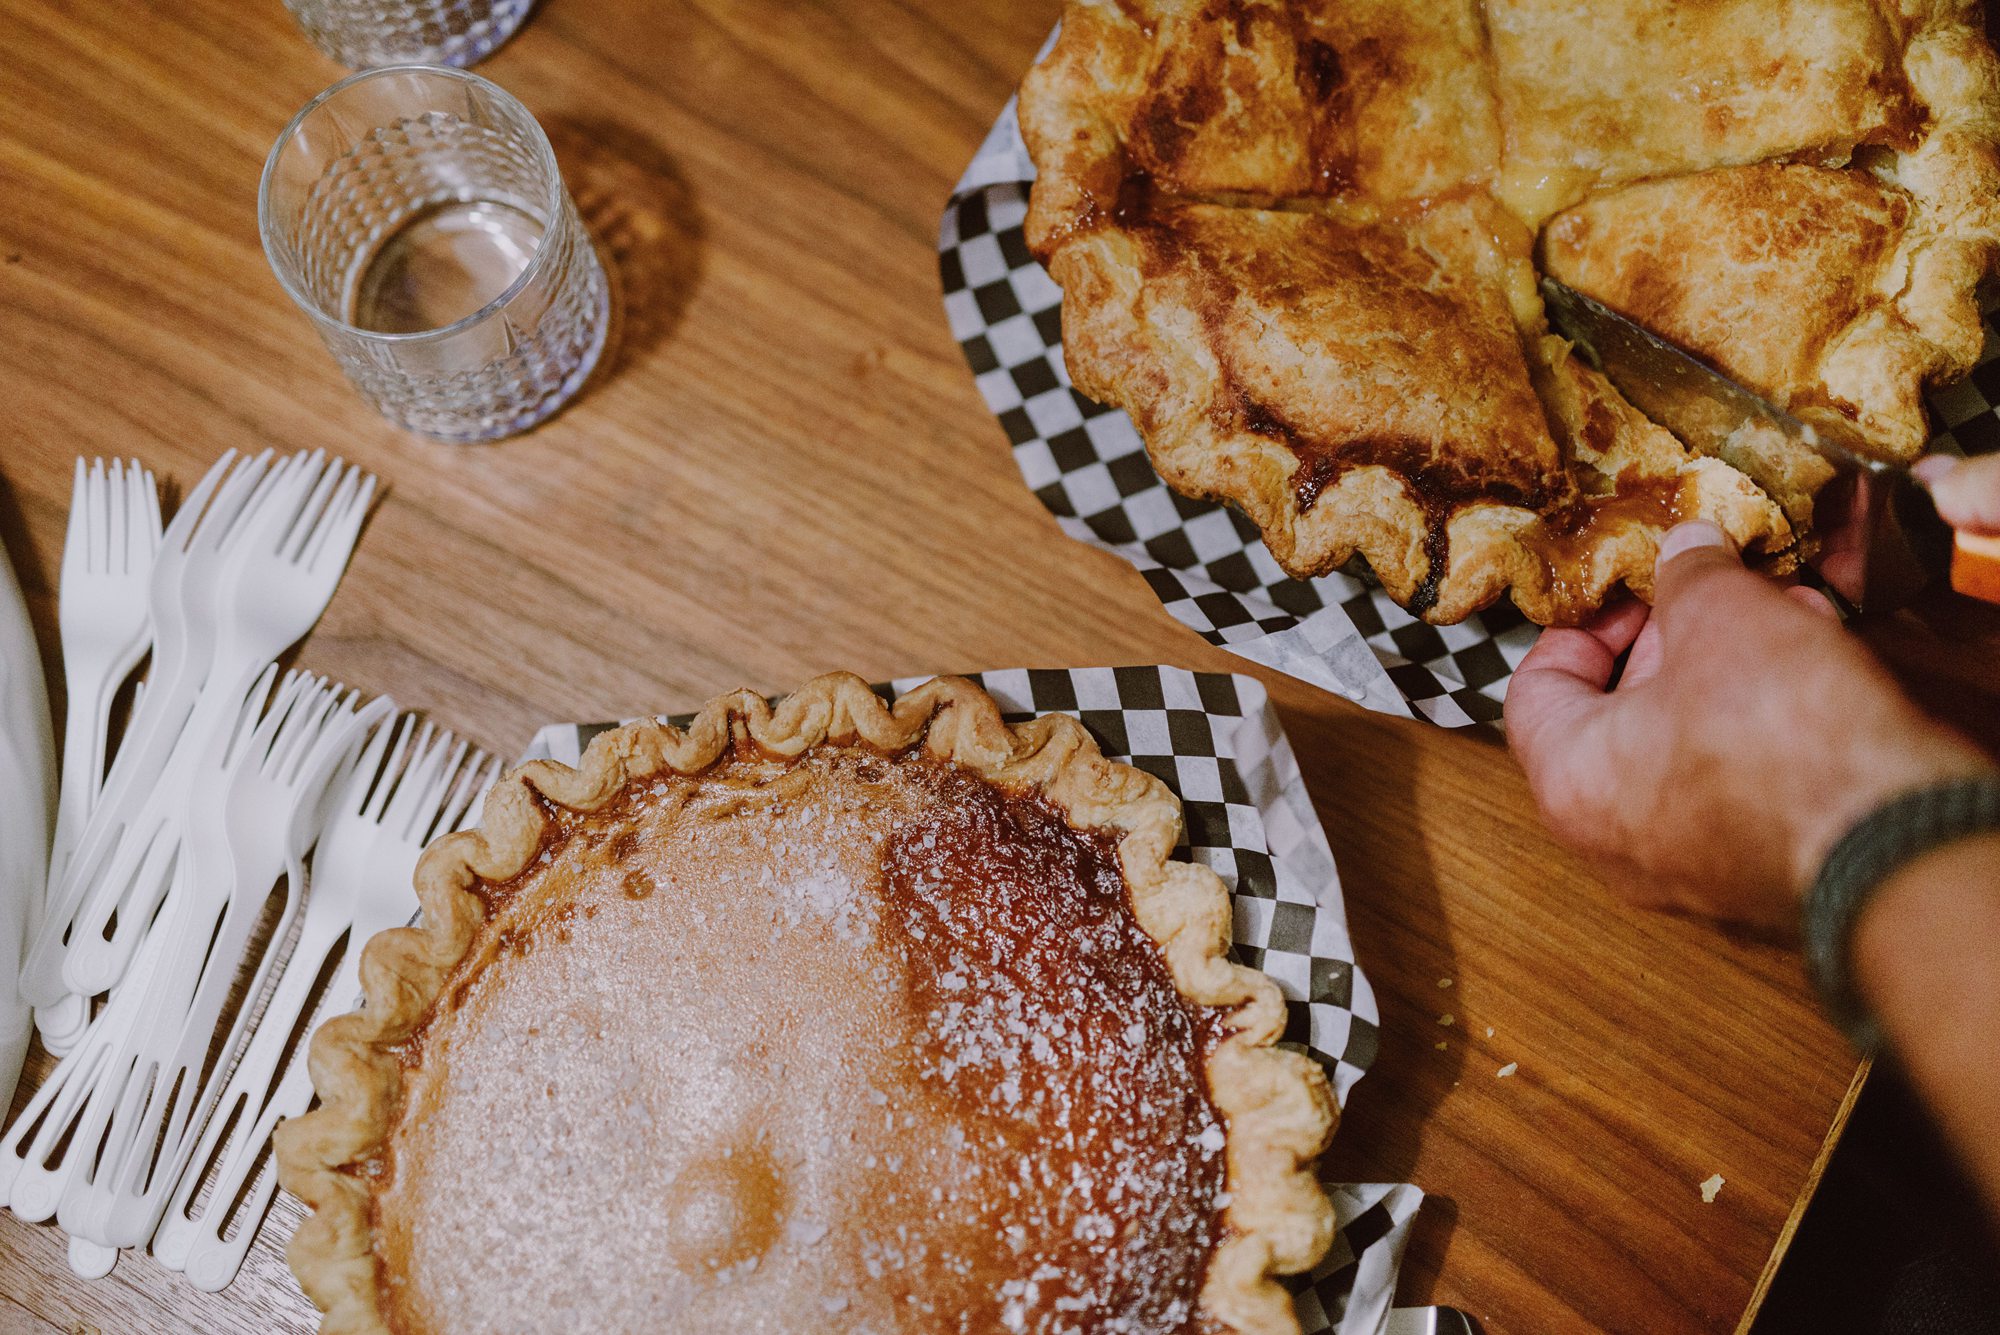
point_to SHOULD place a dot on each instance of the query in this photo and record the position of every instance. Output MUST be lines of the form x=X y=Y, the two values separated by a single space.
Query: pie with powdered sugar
x=1298 y=242
x=833 y=1016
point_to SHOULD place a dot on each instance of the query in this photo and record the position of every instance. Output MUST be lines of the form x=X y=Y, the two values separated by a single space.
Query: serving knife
x=1882 y=540
x=1428 y=1321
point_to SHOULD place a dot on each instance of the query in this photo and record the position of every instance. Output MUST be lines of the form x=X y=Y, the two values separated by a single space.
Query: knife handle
x=1975 y=565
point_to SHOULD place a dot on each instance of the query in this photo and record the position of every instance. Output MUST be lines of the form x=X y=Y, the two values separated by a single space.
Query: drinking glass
x=416 y=214
x=361 y=33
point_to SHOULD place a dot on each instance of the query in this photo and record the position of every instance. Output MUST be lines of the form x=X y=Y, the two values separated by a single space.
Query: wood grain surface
x=784 y=468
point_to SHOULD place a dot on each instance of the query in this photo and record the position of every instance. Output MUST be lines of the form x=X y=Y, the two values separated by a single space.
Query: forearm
x=1927 y=960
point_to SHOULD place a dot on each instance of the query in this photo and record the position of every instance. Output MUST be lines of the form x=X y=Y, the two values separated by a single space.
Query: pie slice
x=1607 y=91
x=1364 y=386
x=1280 y=232
x=837 y=1016
x=1377 y=98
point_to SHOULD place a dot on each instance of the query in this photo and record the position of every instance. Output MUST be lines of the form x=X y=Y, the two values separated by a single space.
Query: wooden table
x=785 y=468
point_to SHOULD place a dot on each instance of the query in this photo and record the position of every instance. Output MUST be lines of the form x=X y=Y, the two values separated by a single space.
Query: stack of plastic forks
x=429 y=784
x=160 y=876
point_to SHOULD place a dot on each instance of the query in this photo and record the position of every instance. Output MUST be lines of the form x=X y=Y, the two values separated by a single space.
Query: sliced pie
x=1600 y=93
x=836 y=1016
x=1297 y=243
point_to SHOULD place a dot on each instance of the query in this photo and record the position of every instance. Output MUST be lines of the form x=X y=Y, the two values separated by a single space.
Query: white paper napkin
x=27 y=811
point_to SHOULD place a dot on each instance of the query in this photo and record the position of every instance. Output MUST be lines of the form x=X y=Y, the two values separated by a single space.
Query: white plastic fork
x=235 y=851
x=34 y=1164
x=281 y=577
x=106 y=623
x=361 y=878
x=131 y=873
x=183 y=571
x=164 y=970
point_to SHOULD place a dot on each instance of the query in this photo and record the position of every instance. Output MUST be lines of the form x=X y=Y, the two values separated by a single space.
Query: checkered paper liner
x=1215 y=740
x=1207 y=563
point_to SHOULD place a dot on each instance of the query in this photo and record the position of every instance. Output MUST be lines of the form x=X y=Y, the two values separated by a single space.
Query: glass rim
x=267 y=226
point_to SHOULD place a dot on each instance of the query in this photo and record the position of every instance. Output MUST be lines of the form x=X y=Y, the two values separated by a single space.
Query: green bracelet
x=1880 y=844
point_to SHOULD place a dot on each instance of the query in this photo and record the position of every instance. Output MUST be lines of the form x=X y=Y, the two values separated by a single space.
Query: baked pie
x=833 y=1016
x=1298 y=243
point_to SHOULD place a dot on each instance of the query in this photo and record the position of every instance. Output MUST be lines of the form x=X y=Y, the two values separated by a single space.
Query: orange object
x=1975 y=565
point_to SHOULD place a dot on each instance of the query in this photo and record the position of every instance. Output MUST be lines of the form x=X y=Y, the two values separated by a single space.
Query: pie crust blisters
x=565 y=857
x=1430 y=455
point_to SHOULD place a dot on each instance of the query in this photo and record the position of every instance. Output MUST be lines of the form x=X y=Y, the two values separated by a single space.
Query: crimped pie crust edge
x=1953 y=174
x=1276 y=1103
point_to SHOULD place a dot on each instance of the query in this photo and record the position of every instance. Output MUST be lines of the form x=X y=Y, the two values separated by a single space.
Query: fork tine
x=331 y=476
x=334 y=541
x=76 y=541
x=431 y=745
x=100 y=518
x=342 y=707
x=407 y=781
x=406 y=737
x=365 y=779
x=313 y=542
x=427 y=786
x=155 y=531
x=442 y=793
x=228 y=743
x=469 y=801
x=142 y=523
x=275 y=508
x=119 y=508
x=292 y=699
x=307 y=716
x=315 y=477
x=375 y=770
x=238 y=495
x=188 y=515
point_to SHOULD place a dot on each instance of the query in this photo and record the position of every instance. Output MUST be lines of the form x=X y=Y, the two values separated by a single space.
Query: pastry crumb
x=1439 y=1045
x=1444 y=982
x=1710 y=1188
x=1506 y=1070
x=1445 y=1018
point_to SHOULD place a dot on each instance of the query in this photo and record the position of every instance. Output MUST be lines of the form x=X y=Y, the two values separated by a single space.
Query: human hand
x=1965 y=491
x=1746 y=733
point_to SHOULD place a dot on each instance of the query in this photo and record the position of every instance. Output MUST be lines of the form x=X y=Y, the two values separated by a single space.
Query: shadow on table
x=648 y=226
x=1361 y=771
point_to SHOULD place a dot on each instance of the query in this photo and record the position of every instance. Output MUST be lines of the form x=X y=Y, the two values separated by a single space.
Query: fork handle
x=82 y=762
x=253 y=1079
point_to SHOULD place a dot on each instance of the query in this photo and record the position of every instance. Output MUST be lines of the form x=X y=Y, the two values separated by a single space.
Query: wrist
x=1916 y=842
x=1834 y=801
x=1923 y=899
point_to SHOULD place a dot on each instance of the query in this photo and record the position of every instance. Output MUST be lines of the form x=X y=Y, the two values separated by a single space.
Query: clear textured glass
x=364 y=33
x=416 y=214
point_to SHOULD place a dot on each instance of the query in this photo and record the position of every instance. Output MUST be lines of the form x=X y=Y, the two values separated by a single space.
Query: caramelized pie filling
x=842 y=1043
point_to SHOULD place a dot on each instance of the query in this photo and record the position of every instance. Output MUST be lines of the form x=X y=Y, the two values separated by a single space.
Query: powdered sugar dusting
x=843 y=1045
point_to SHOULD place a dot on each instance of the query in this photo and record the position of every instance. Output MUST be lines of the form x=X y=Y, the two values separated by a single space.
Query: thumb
x=1690 y=554
x=1966 y=491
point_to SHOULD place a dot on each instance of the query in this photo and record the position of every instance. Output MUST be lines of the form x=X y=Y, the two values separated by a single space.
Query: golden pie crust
x=1297 y=243
x=651 y=1059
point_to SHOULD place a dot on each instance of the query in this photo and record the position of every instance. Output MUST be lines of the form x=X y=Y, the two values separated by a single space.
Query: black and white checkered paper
x=1215 y=740
x=1207 y=563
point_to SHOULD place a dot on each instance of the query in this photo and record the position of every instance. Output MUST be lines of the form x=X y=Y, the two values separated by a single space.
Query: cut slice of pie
x=1607 y=91
x=837 y=1016
x=1280 y=235
x=1818 y=287
x=1365 y=386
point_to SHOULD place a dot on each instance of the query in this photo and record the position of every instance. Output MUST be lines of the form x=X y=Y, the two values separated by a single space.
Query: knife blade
x=1682 y=392
x=1428 y=1321
x=1882 y=540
